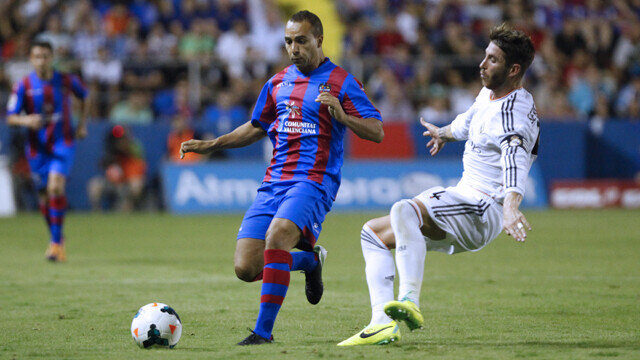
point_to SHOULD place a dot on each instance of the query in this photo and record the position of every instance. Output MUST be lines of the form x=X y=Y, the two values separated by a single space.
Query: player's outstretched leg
x=406 y=311
x=381 y=334
x=411 y=249
x=311 y=263
x=380 y=272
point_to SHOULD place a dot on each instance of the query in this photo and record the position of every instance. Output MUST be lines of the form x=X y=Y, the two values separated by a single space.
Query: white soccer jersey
x=502 y=142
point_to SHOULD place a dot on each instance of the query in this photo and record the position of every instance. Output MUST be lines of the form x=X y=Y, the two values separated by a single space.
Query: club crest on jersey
x=324 y=87
x=533 y=114
x=515 y=140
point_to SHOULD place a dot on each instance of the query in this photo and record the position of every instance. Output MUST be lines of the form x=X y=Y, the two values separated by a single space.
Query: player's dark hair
x=311 y=18
x=40 y=43
x=517 y=46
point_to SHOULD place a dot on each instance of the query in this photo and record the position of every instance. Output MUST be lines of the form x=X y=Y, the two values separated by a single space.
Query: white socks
x=411 y=248
x=380 y=271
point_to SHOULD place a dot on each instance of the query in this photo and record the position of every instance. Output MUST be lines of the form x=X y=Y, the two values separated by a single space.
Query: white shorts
x=471 y=218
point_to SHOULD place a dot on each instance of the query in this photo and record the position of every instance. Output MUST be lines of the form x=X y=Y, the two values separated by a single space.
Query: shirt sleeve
x=355 y=101
x=78 y=88
x=460 y=125
x=264 y=113
x=518 y=145
x=16 y=99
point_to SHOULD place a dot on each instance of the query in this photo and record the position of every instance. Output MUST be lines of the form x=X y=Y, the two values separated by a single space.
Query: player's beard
x=496 y=80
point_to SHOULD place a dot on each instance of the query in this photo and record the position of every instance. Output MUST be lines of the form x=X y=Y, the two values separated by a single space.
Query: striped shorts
x=471 y=219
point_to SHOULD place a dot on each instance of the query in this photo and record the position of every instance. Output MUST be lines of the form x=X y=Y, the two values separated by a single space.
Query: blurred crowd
x=204 y=60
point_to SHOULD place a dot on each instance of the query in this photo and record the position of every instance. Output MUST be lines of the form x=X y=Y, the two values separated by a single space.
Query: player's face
x=42 y=59
x=303 y=47
x=493 y=68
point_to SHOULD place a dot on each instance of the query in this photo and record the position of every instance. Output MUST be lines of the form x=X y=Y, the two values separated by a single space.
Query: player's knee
x=282 y=237
x=401 y=210
x=55 y=190
x=245 y=272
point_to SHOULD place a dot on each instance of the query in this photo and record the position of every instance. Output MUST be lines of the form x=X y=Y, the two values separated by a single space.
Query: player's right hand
x=33 y=121
x=195 y=146
x=435 y=143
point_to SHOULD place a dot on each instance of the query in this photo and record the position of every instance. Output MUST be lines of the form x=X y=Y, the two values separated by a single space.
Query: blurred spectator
x=628 y=98
x=388 y=37
x=181 y=130
x=88 y=40
x=146 y=12
x=121 y=187
x=232 y=48
x=407 y=23
x=161 y=44
x=134 y=110
x=228 y=13
x=174 y=101
x=436 y=111
x=197 y=44
x=128 y=45
x=104 y=69
x=226 y=114
x=266 y=30
x=116 y=20
x=461 y=95
x=54 y=34
x=627 y=52
x=358 y=40
x=103 y=75
x=394 y=105
x=569 y=40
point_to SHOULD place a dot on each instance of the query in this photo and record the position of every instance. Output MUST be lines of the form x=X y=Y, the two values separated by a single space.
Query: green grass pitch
x=572 y=291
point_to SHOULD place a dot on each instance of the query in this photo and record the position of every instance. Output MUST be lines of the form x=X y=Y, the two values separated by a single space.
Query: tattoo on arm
x=445 y=134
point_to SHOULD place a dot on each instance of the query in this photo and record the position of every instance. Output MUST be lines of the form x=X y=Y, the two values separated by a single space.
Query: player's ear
x=515 y=70
x=319 y=40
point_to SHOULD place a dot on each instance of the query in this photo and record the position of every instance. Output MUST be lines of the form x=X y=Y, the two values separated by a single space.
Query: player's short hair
x=517 y=46
x=311 y=18
x=40 y=43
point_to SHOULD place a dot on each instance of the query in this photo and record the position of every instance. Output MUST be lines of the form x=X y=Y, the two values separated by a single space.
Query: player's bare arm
x=367 y=128
x=515 y=224
x=439 y=136
x=243 y=135
x=81 y=129
x=31 y=121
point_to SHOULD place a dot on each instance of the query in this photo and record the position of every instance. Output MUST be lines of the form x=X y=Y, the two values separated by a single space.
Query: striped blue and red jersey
x=307 y=141
x=52 y=99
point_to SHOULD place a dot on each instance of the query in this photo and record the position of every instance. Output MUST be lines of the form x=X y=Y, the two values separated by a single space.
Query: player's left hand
x=333 y=104
x=515 y=224
x=81 y=131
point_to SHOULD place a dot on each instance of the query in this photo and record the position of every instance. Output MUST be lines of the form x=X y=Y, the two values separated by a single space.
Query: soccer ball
x=156 y=325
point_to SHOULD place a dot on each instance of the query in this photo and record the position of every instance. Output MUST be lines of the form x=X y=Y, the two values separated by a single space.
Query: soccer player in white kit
x=501 y=130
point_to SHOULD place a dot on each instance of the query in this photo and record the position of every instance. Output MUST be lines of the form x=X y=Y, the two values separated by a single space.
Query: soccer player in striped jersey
x=41 y=102
x=501 y=131
x=305 y=110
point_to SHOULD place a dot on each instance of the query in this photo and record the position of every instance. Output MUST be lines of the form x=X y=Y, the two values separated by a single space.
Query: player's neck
x=504 y=90
x=45 y=75
x=317 y=64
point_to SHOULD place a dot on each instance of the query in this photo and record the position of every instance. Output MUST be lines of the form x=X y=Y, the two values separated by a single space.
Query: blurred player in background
x=305 y=110
x=41 y=102
x=502 y=132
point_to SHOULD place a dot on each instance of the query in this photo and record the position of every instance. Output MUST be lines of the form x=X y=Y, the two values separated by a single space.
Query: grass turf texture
x=571 y=291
